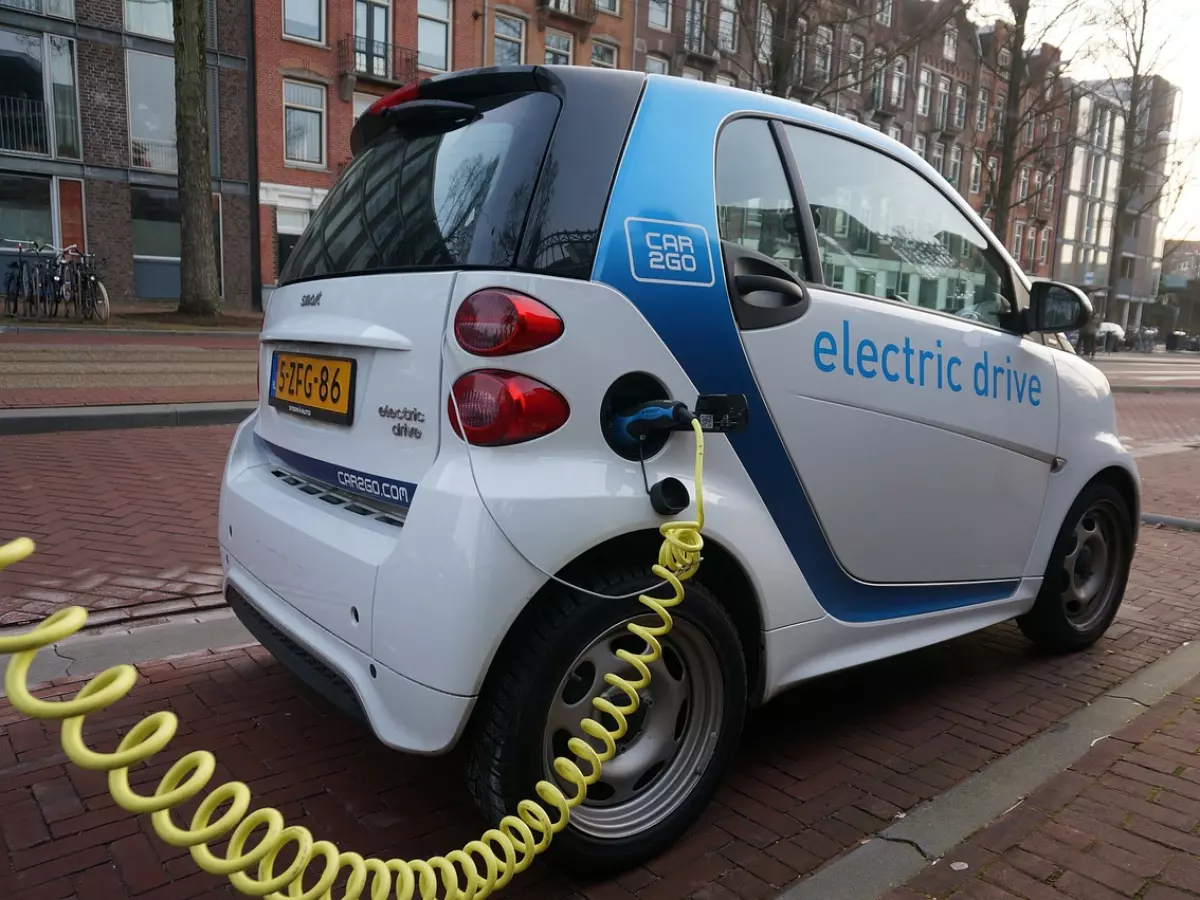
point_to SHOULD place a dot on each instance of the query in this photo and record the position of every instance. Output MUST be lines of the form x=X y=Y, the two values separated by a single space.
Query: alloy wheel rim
x=671 y=737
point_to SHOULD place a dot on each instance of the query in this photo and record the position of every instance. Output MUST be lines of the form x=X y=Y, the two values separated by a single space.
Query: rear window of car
x=420 y=200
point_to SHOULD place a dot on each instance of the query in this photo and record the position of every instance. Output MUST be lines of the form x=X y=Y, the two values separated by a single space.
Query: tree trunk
x=198 y=292
x=1010 y=128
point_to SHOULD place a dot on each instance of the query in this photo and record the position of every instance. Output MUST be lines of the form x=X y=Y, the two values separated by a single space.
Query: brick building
x=87 y=138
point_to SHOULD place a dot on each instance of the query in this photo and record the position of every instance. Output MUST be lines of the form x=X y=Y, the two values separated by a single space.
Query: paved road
x=1127 y=369
x=820 y=769
x=85 y=369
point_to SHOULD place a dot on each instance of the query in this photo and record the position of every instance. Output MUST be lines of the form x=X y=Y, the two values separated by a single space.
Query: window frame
x=616 y=7
x=324 y=111
x=883 y=12
x=322 y=25
x=666 y=63
x=449 y=23
x=924 y=91
x=1013 y=279
x=856 y=64
x=650 y=4
x=48 y=99
x=616 y=52
x=546 y=51
x=950 y=43
x=129 y=55
x=520 y=42
x=899 y=81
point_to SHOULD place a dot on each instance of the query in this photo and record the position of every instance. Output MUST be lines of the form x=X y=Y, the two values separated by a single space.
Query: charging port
x=622 y=396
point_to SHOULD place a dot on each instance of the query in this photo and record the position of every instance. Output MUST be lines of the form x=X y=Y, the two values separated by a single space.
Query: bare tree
x=788 y=47
x=1026 y=132
x=1149 y=178
x=198 y=291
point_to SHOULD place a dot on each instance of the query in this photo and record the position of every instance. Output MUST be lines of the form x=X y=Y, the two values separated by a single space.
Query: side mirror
x=1054 y=307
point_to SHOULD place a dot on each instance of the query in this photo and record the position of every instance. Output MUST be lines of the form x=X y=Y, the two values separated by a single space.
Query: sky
x=1173 y=27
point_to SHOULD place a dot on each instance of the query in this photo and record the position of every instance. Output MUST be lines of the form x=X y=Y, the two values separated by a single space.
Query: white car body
x=375 y=556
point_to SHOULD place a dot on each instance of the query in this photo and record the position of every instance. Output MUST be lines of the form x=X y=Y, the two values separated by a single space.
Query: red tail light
x=495 y=323
x=500 y=408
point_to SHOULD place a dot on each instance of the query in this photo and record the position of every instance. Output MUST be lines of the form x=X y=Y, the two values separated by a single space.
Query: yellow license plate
x=314 y=387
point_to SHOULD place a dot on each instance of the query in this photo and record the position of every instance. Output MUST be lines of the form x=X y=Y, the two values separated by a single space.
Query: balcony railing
x=377 y=61
x=24 y=125
x=580 y=11
x=161 y=156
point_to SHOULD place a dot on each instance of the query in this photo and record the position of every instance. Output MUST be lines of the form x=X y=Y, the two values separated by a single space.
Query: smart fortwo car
x=516 y=256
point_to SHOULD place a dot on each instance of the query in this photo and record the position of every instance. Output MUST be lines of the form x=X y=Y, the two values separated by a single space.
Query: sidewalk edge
x=898 y=854
x=41 y=420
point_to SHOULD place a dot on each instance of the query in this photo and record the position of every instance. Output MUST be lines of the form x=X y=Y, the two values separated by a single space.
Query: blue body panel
x=662 y=207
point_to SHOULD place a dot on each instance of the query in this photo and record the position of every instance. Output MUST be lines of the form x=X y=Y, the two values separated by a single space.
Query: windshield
x=417 y=200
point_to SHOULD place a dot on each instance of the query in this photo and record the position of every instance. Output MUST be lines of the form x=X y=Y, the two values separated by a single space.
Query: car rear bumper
x=403 y=714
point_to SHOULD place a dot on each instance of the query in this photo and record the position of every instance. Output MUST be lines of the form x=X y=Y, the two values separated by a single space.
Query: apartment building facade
x=88 y=143
x=1099 y=117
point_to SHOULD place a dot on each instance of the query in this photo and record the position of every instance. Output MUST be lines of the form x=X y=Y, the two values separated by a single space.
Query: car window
x=884 y=231
x=754 y=204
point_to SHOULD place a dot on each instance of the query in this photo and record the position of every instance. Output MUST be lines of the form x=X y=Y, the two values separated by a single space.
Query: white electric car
x=556 y=246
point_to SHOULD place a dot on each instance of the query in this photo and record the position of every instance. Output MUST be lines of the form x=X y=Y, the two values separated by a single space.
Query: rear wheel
x=1087 y=573
x=679 y=742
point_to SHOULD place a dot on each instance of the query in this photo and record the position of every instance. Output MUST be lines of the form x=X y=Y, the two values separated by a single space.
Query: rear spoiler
x=447 y=96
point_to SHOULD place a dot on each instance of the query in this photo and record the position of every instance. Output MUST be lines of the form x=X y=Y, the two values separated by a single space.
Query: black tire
x=1058 y=622
x=506 y=754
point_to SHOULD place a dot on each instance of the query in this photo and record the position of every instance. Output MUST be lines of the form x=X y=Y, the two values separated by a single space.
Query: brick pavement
x=121 y=518
x=1120 y=822
x=820 y=769
x=1151 y=423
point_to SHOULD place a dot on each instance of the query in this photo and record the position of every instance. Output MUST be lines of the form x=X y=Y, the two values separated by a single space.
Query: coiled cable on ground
x=255 y=839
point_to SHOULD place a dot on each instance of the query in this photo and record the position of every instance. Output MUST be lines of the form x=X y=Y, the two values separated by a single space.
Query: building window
x=943 y=102
x=508 y=45
x=896 y=133
x=612 y=7
x=371 y=33
x=304 y=123
x=289 y=225
x=693 y=26
x=26 y=210
x=362 y=102
x=981 y=111
x=727 y=30
x=155 y=215
x=433 y=35
x=1037 y=186
x=851 y=115
x=1005 y=59
x=659 y=15
x=939 y=156
x=558 y=49
x=1018 y=236
x=883 y=12
x=924 y=88
x=998 y=119
x=823 y=55
x=1023 y=184
x=39 y=106
x=956 y=158
x=854 y=71
x=950 y=43
x=692 y=74
x=976 y=172
x=960 y=106
x=604 y=56
x=920 y=143
x=726 y=80
x=656 y=65
x=899 y=81
x=151 y=81
x=59 y=9
x=304 y=19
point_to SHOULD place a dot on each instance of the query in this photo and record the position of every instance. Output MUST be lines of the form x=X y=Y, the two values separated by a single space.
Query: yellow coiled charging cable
x=504 y=851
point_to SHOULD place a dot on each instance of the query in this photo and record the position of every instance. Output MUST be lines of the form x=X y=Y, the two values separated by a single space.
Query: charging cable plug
x=655 y=415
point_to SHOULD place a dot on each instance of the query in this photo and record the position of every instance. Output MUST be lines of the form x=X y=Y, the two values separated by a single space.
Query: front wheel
x=678 y=744
x=1087 y=573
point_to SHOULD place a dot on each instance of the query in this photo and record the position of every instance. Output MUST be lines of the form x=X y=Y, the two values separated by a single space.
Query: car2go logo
x=924 y=368
x=665 y=252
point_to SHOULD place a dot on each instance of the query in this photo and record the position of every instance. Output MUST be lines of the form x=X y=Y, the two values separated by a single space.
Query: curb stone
x=85 y=329
x=99 y=418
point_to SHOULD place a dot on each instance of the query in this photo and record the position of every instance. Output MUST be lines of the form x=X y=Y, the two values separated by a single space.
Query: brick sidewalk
x=1150 y=422
x=121 y=518
x=820 y=769
x=1121 y=822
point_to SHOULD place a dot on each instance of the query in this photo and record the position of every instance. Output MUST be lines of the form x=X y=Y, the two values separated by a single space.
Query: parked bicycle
x=45 y=278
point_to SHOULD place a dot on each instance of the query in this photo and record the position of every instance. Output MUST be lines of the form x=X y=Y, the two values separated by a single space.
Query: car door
x=922 y=439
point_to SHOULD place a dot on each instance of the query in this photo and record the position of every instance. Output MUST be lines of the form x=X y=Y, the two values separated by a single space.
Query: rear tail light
x=500 y=408
x=495 y=323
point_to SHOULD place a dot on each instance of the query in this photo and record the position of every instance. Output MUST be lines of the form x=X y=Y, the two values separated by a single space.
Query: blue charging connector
x=656 y=415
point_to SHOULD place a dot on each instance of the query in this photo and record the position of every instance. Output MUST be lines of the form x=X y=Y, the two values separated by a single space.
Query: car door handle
x=786 y=288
